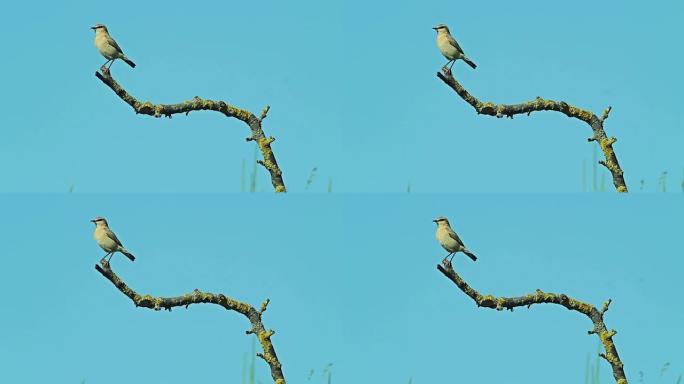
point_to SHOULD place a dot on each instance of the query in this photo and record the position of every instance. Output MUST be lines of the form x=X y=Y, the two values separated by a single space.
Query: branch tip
x=264 y=305
x=264 y=113
x=606 y=112
x=606 y=305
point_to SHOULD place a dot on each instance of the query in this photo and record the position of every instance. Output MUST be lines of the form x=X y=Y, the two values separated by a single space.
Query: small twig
x=605 y=113
x=264 y=113
x=606 y=305
x=264 y=305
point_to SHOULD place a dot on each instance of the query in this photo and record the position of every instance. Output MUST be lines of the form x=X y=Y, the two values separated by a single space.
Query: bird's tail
x=469 y=62
x=127 y=254
x=470 y=254
x=132 y=64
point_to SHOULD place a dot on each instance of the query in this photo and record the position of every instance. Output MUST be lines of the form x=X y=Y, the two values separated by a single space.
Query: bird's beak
x=435 y=28
x=434 y=221
x=93 y=28
x=92 y=221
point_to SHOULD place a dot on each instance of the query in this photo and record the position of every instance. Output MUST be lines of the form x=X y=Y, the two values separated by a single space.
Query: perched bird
x=108 y=46
x=449 y=47
x=449 y=240
x=107 y=240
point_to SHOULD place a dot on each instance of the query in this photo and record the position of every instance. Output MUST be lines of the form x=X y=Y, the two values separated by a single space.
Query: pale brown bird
x=449 y=47
x=108 y=47
x=107 y=240
x=449 y=240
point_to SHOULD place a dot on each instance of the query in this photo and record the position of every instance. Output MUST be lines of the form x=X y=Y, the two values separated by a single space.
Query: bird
x=450 y=48
x=449 y=240
x=107 y=240
x=108 y=47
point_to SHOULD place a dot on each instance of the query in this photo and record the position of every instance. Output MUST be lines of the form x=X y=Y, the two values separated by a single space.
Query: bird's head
x=99 y=221
x=441 y=221
x=441 y=28
x=98 y=28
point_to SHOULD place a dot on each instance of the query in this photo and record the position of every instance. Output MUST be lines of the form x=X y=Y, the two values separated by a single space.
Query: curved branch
x=196 y=297
x=539 y=104
x=198 y=104
x=539 y=297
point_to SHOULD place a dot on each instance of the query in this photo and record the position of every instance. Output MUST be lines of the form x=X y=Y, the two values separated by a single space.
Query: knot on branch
x=146 y=108
x=488 y=109
x=564 y=107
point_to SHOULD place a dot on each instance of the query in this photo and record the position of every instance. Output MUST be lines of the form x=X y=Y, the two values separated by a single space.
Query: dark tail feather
x=128 y=254
x=131 y=63
x=469 y=62
x=470 y=254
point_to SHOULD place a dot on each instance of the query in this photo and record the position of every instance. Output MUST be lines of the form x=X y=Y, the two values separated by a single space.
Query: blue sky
x=353 y=92
x=352 y=280
x=351 y=276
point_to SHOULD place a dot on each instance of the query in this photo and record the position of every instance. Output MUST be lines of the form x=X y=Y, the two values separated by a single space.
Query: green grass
x=310 y=180
x=592 y=372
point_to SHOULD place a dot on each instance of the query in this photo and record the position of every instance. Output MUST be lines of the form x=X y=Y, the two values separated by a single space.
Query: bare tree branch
x=196 y=297
x=539 y=297
x=198 y=104
x=539 y=104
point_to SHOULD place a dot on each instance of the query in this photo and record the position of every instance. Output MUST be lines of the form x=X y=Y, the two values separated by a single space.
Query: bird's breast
x=447 y=241
x=106 y=49
x=104 y=241
x=448 y=50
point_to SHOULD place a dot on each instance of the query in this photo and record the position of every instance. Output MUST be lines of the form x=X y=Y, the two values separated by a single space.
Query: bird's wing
x=113 y=43
x=112 y=236
x=454 y=236
x=451 y=41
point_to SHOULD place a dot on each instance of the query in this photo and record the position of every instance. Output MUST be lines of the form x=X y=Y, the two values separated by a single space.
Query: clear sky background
x=352 y=281
x=353 y=92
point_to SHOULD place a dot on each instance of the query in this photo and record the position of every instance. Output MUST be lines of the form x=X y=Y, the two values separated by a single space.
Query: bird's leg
x=104 y=65
x=445 y=262
x=110 y=256
x=446 y=69
x=445 y=65
x=104 y=261
x=110 y=63
x=452 y=256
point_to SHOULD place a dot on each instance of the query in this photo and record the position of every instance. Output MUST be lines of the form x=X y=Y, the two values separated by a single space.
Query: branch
x=539 y=104
x=539 y=297
x=197 y=104
x=196 y=297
